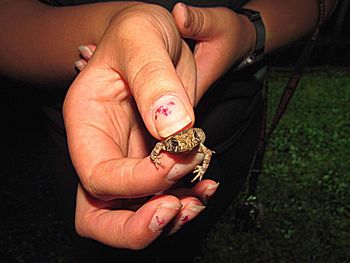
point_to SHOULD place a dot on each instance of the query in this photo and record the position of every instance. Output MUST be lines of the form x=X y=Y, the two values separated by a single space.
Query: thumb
x=152 y=48
x=219 y=40
x=162 y=97
x=197 y=23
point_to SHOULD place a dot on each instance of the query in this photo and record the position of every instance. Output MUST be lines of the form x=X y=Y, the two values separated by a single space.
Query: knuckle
x=92 y=185
x=81 y=225
x=141 y=15
x=150 y=71
x=134 y=240
x=198 y=22
x=95 y=184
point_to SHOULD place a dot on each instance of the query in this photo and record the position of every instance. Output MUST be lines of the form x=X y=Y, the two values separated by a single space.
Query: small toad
x=184 y=141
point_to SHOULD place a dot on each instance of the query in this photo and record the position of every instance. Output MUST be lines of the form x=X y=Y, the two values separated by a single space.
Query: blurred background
x=304 y=188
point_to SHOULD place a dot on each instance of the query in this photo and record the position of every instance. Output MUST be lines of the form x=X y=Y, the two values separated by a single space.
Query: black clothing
x=165 y=3
x=230 y=113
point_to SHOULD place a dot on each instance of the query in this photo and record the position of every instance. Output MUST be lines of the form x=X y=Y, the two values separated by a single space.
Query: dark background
x=30 y=221
x=332 y=47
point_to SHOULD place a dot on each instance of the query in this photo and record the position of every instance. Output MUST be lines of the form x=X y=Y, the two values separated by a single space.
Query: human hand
x=141 y=78
x=222 y=38
x=135 y=223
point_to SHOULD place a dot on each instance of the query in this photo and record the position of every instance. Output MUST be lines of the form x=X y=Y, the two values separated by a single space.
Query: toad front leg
x=201 y=169
x=155 y=154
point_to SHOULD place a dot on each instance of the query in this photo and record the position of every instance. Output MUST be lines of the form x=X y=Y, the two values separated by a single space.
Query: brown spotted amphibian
x=184 y=141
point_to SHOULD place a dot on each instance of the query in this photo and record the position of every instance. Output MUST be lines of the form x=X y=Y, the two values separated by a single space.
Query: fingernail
x=196 y=208
x=188 y=213
x=188 y=18
x=209 y=192
x=181 y=169
x=163 y=215
x=187 y=21
x=85 y=52
x=80 y=64
x=169 y=115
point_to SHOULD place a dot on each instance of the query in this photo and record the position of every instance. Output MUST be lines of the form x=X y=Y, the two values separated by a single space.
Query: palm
x=103 y=119
x=110 y=116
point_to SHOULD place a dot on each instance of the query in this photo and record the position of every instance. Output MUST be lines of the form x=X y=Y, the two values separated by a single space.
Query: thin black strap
x=256 y=167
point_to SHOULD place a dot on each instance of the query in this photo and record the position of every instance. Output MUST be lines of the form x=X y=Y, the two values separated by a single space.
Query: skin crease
x=106 y=110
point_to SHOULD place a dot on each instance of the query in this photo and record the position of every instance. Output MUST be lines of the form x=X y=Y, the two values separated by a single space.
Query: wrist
x=248 y=36
x=260 y=35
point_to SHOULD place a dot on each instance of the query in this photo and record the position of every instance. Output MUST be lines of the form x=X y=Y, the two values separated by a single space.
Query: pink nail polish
x=188 y=213
x=169 y=115
x=209 y=192
x=163 y=215
x=185 y=219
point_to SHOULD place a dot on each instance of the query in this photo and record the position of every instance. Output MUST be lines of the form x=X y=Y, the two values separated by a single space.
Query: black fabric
x=229 y=113
x=167 y=4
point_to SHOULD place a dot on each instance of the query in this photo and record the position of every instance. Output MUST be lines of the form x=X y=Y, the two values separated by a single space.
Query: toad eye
x=174 y=142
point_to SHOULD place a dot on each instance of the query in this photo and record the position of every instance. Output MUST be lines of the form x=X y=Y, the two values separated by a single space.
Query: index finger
x=134 y=177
